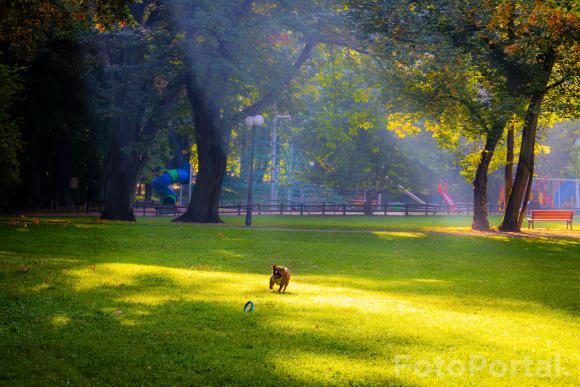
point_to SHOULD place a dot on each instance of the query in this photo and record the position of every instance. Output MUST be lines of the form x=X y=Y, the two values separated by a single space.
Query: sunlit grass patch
x=439 y=223
x=397 y=234
x=59 y=320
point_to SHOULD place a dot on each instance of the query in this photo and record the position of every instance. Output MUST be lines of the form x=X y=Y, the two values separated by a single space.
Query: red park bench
x=552 y=216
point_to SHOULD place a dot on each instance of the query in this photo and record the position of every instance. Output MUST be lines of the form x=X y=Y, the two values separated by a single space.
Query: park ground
x=382 y=300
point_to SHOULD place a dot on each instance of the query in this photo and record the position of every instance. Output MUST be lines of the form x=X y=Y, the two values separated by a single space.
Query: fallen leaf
x=118 y=312
x=24 y=269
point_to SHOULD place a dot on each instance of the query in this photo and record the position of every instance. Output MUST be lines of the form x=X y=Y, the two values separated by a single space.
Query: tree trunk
x=515 y=212
x=526 y=196
x=125 y=165
x=148 y=192
x=120 y=177
x=209 y=136
x=524 y=172
x=368 y=204
x=509 y=162
x=123 y=171
x=120 y=191
x=368 y=208
x=480 y=210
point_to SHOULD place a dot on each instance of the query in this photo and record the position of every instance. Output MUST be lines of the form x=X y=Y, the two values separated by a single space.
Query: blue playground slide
x=567 y=194
x=161 y=184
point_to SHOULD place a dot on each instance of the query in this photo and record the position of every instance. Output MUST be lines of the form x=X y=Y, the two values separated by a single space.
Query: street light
x=251 y=123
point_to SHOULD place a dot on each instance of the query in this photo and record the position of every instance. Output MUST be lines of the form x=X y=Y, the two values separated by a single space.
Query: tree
x=141 y=80
x=563 y=156
x=129 y=147
x=47 y=130
x=54 y=125
x=239 y=57
x=509 y=161
x=437 y=81
x=23 y=29
x=540 y=57
x=343 y=127
x=10 y=141
x=460 y=106
x=515 y=43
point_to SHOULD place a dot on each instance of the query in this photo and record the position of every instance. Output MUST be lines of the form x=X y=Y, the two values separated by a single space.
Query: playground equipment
x=550 y=193
x=556 y=193
x=442 y=189
x=410 y=194
x=162 y=183
x=565 y=196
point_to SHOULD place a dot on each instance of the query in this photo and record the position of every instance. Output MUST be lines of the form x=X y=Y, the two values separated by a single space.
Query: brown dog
x=280 y=276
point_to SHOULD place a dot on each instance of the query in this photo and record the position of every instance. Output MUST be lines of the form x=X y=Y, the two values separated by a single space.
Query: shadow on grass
x=126 y=324
x=122 y=323
x=541 y=271
x=122 y=305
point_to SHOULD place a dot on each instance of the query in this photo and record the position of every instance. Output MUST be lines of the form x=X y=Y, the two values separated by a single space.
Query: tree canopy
x=97 y=90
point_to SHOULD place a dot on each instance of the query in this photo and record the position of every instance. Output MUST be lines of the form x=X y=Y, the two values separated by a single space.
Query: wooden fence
x=291 y=209
x=320 y=209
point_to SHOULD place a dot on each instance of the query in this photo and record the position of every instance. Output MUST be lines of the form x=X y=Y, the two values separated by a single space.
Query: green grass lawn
x=374 y=223
x=354 y=222
x=161 y=303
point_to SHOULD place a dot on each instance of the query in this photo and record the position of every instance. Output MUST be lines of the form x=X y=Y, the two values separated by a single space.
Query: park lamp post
x=251 y=123
x=309 y=171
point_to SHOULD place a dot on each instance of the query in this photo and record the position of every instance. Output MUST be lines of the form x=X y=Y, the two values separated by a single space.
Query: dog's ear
x=274 y=266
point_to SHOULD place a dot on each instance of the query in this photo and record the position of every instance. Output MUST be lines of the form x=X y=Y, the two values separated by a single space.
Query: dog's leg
x=280 y=290
x=271 y=282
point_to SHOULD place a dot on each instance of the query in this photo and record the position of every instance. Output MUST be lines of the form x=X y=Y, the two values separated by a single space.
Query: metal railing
x=321 y=209
x=285 y=208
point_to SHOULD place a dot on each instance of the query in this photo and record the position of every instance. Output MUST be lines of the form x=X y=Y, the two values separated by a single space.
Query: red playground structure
x=442 y=189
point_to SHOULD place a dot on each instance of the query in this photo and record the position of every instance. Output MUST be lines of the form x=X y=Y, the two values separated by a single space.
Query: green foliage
x=436 y=85
x=244 y=52
x=10 y=138
x=129 y=73
x=563 y=154
x=160 y=157
x=464 y=66
x=341 y=125
x=25 y=28
x=44 y=125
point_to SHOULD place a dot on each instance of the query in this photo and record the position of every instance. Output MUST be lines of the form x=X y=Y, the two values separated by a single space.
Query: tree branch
x=267 y=98
x=471 y=109
x=164 y=106
x=343 y=43
x=556 y=84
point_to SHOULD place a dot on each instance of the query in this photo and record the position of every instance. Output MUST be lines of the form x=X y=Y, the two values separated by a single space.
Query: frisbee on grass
x=249 y=306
